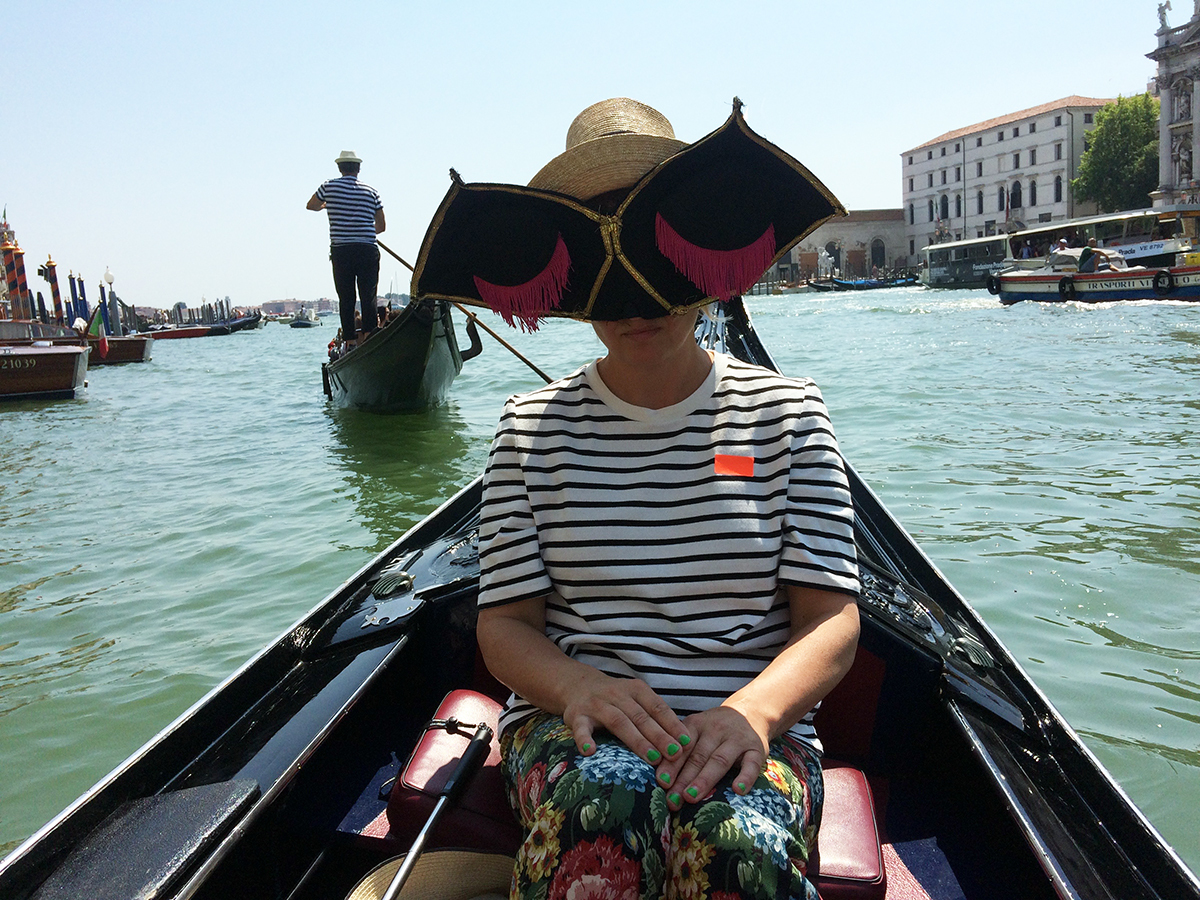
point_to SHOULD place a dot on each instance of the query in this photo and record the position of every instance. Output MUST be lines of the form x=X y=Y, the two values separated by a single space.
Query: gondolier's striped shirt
x=351 y=206
x=667 y=533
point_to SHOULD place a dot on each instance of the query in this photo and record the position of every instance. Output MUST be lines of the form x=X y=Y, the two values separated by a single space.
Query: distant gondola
x=289 y=779
x=869 y=284
x=247 y=322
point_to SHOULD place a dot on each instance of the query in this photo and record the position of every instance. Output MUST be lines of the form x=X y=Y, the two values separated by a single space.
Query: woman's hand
x=626 y=708
x=735 y=736
x=515 y=647
x=724 y=739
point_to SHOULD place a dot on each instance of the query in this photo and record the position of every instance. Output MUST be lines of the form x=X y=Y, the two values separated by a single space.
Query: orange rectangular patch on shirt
x=727 y=464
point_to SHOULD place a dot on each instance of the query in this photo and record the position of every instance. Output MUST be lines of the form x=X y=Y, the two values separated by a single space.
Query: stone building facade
x=998 y=175
x=1176 y=83
x=858 y=242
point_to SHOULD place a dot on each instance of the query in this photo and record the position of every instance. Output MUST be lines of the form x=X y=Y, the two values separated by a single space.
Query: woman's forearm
x=819 y=653
x=520 y=655
x=515 y=647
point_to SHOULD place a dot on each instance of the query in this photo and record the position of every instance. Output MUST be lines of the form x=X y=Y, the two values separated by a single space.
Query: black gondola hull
x=408 y=365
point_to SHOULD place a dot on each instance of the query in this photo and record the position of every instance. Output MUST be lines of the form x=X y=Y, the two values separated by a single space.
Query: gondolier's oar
x=472 y=758
x=474 y=318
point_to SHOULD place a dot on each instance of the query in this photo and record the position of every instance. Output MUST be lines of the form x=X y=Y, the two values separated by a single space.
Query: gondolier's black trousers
x=355 y=264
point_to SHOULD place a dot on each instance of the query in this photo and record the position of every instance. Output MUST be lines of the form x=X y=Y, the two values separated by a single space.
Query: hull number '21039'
x=17 y=362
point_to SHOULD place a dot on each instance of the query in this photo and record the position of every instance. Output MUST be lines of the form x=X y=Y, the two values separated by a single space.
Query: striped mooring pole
x=49 y=271
x=10 y=278
x=22 y=283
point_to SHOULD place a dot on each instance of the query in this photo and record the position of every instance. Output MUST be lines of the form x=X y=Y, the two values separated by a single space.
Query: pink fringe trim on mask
x=527 y=304
x=719 y=273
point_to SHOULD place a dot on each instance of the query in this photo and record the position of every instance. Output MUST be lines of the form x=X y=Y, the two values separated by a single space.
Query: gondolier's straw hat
x=347 y=156
x=610 y=145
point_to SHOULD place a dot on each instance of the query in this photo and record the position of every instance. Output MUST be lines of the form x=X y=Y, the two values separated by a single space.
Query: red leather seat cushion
x=482 y=818
x=848 y=864
x=849 y=859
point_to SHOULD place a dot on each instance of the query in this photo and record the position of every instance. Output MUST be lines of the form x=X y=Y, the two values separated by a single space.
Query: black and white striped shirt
x=667 y=533
x=351 y=206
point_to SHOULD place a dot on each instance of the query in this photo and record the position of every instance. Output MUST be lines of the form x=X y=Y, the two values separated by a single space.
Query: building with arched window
x=863 y=239
x=1000 y=161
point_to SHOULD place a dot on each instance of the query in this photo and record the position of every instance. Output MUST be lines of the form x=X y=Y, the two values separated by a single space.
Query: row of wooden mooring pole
x=23 y=304
x=207 y=314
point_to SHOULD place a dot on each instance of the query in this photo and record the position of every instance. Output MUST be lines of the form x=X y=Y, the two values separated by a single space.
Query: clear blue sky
x=177 y=142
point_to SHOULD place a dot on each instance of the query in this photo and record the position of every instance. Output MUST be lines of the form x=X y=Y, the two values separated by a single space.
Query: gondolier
x=355 y=218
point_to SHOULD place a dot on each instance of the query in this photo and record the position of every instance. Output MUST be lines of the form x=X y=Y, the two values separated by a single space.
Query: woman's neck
x=657 y=384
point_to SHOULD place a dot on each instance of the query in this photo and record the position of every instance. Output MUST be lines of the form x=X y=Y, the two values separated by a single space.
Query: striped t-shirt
x=667 y=533
x=351 y=206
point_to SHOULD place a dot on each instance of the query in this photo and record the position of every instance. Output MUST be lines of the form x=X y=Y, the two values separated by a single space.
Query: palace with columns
x=1178 y=59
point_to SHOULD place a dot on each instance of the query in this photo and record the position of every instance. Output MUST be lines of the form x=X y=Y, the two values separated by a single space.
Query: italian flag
x=96 y=329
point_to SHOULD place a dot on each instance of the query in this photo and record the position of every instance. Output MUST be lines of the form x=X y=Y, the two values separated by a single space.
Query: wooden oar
x=474 y=318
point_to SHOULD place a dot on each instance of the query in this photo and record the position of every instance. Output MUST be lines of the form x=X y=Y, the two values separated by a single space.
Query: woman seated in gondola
x=668 y=568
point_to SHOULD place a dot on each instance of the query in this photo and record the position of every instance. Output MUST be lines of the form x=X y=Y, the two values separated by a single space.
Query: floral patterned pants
x=598 y=826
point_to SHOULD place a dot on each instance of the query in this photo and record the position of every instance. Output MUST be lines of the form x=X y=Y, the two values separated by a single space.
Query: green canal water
x=158 y=531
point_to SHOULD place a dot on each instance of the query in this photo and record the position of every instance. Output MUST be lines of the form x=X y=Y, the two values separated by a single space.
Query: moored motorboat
x=270 y=786
x=170 y=332
x=1059 y=280
x=41 y=370
x=111 y=351
x=129 y=348
x=408 y=364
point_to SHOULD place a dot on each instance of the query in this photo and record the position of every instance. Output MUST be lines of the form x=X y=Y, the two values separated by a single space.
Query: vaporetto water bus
x=1148 y=237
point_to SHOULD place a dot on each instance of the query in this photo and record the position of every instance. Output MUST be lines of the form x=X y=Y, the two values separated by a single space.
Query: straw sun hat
x=610 y=145
x=442 y=875
x=697 y=222
x=347 y=156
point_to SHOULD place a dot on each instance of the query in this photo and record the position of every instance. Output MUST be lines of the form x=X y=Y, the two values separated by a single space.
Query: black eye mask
x=703 y=225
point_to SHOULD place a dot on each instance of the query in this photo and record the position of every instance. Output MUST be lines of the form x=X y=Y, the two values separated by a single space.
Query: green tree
x=1120 y=167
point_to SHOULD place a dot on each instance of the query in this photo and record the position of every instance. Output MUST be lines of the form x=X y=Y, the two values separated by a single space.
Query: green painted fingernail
x=675 y=798
x=684 y=739
x=665 y=777
x=742 y=786
x=693 y=792
x=653 y=755
x=672 y=749
x=587 y=748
